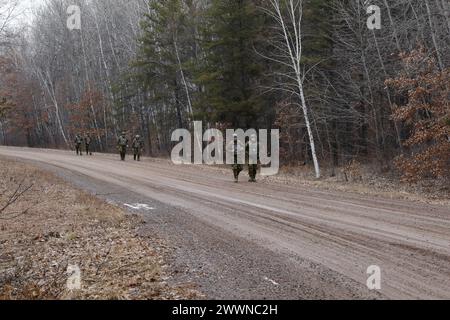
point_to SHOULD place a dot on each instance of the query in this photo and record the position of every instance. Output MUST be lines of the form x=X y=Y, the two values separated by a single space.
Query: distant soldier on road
x=122 y=145
x=138 y=146
x=251 y=150
x=78 y=143
x=87 y=143
x=236 y=147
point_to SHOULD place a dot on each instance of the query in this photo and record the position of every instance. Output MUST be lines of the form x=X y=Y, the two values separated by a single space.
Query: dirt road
x=271 y=240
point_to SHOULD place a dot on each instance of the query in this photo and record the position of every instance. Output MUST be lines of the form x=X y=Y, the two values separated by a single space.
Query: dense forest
x=338 y=90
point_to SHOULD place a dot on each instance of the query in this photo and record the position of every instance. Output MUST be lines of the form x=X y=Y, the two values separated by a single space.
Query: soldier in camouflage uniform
x=78 y=143
x=251 y=148
x=137 y=146
x=122 y=145
x=236 y=148
x=87 y=143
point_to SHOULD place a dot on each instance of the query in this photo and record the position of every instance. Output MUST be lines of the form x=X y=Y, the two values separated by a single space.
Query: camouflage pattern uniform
x=122 y=145
x=236 y=147
x=87 y=143
x=137 y=146
x=252 y=149
x=78 y=143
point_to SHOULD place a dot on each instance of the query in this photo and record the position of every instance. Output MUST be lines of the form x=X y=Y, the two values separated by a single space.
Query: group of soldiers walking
x=251 y=147
x=137 y=145
x=79 y=141
x=122 y=145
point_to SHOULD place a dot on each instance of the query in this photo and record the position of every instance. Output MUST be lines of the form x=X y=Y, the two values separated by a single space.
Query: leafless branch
x=18 y=193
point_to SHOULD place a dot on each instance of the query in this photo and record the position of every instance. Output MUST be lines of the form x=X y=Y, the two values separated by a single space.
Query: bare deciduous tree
x=288 y=53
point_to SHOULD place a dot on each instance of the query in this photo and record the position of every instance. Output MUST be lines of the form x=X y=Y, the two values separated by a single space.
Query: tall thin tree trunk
x=394 y=29
x=445 y=5
x=178 y=104
x=433 y=35
x=397 y=130
x=308 y=127
x=51 y=93
x=293 y=44
x=108 y=78
x=188 y=96
x=88 y=82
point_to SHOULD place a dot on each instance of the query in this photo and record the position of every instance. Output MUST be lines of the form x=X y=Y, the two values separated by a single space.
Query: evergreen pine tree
x=230 y=71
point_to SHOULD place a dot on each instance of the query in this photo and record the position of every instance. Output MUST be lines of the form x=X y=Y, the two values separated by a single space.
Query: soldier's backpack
x=122 y=141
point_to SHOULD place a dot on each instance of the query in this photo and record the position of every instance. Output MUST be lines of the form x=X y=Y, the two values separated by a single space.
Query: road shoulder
x=55 y=234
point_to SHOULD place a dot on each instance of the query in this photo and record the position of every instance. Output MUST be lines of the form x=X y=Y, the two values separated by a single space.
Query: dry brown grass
x=359 y=179
x=63 y=226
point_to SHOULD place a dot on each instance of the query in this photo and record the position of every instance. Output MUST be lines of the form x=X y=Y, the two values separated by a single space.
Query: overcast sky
x=25 y=9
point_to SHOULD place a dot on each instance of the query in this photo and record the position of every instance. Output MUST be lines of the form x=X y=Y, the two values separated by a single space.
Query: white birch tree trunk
x=291 y=31
x=52 y=95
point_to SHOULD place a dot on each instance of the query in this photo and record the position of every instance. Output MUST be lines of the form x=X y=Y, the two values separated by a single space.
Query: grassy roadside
x=53 y=227
x=364 y=180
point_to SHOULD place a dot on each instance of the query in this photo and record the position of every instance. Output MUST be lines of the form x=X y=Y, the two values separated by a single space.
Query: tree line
x=337 y=90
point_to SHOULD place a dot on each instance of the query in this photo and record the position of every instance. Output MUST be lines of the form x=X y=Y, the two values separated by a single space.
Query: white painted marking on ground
x=271 y=281
x=139 y=206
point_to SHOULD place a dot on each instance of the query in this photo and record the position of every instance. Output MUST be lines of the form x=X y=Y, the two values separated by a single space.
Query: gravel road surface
x=270 y=241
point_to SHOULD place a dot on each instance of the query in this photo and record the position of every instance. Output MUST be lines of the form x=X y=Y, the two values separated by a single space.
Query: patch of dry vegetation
x=363 y=179
x=53 y=225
